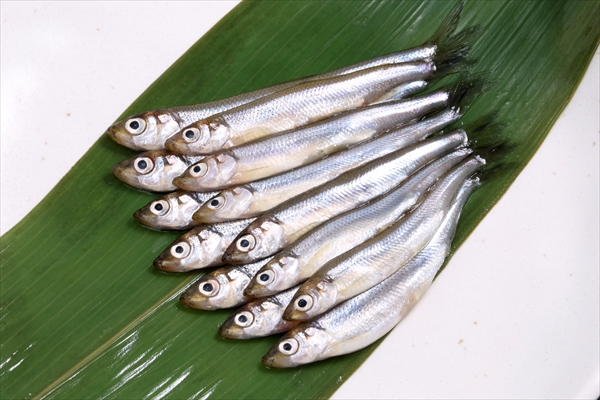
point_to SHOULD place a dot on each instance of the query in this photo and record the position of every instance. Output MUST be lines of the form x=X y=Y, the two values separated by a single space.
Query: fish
x=150 y=130
x=376 y=259
x=253 y=198
x=201 y=247
x=297 y=106
x=260 y=317
x=222 y=288
x=361 y=320
x=153 y=170
x=173 y=211
x=302 y=259
x=284 y=224
x=292 y=149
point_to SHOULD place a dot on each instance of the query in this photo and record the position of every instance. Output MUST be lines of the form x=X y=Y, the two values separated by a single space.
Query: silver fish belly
x=223 y=288
x=362 y=320
x=291 y=149
x=201 y=247
x=294 y=107
x=302 y=259
x=153 y=170
x=173 y=211
x=254 y=198
x=258 y=318
x=284 y=224
x=370 y=263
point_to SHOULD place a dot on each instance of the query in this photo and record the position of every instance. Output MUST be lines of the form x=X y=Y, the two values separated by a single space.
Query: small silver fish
x=294 y=107
x=302 y=259
x=201 y=247
x=284 y=224
x=173 y=211
x=254 y=198
x=153 y=170
x=258 y=318
x=284 y=151
x=150 y=130
x=223 y=288
x=376 y=259
x=360 y=321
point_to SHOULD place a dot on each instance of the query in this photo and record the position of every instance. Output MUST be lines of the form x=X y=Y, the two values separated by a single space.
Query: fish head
x=255 y=319
x=212 y=172
x=211 y=292
x=303 y=344
x=228 y=205
x=259 y=240
x=172 y=211
x=313 y=298
x=151 y=170
x=203 y=137
x=199 y=248
x=278 y=274
x=147 y=131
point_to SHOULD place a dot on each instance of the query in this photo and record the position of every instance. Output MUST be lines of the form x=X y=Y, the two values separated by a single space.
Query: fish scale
x=297 y=106
x=373 y=261
x=361 y=320
x=264 y=194
x=300 y=260
x=282 y=225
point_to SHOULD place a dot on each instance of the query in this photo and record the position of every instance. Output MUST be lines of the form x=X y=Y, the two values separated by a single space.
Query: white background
x=514 y=315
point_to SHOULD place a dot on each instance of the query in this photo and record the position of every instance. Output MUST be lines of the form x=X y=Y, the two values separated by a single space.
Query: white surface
x=524 y=325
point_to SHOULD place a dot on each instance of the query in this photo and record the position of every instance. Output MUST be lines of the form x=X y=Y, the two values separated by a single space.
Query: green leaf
x=81 y=304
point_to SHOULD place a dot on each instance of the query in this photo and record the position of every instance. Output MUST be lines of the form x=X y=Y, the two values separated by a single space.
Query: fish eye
x=244 y=319
x=265 y=277
x=304 y=302
x=198 y=170
x=288 y=346
x=143 y=165
x=180 y=250
x=159 y=207
x=208 y=288
x=245 y=243
x=191 y=135
x=216 y=203
x=135 y=126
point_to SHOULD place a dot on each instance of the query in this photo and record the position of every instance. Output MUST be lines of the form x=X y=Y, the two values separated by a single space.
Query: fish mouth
x=186 y=299
x=166 y=265
x=186 y=183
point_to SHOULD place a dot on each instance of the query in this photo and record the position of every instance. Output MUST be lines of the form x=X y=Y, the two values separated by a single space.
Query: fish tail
x=448 y=25
x=467 y=89
x=453 y=48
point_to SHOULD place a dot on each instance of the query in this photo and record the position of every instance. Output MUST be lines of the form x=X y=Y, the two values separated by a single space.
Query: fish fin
x=467 y=89
x=498 y=169
x=448 y=25
x=453 y=48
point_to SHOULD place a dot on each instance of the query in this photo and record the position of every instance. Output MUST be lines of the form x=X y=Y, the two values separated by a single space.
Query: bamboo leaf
x=138 y=341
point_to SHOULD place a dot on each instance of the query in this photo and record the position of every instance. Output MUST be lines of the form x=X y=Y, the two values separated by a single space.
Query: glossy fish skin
x=173 y=211
x=294 y=107
x=259 y=318
x=291 y=149
x=201 y=247
x=284 y=224
x=370 y=263
x=254 y=198
x=301 y=260
x=153 y=170
x=159 y=125
x=360 y=321
x=223 y=288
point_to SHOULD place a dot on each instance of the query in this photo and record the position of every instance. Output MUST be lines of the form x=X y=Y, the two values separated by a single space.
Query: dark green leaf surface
x=81 y=304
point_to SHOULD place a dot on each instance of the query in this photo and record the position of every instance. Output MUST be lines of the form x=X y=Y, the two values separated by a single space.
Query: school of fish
x=328 y=203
